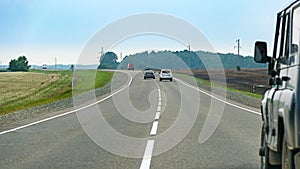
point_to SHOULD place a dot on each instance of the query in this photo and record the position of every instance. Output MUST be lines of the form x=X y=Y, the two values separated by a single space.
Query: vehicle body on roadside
x=130 y=66
x=280 y=134
x=165 y=74
x=149 y=74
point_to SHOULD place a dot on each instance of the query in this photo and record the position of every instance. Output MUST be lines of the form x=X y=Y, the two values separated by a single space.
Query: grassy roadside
x=208 y=83
x=22 y=90
x=85 y=80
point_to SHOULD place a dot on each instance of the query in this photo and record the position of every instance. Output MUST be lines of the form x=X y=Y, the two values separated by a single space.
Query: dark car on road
x=149 y=74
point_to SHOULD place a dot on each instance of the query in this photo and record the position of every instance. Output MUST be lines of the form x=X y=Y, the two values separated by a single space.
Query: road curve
x=64 y=142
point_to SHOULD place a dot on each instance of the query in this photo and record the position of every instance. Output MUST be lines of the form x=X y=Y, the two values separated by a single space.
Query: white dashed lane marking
x=157 y=115
x=158 y=108
x=154 y=128
x=150 y=144
x=147 y=155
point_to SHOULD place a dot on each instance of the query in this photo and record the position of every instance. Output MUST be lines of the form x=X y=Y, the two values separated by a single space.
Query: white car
x=165 y=74
x=44 y=66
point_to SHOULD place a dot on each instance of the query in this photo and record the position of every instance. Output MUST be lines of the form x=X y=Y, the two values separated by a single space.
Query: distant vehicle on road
x=149 y=74
x=130 y=66
x=44 y=66
x=165 y=74
x=280 y=108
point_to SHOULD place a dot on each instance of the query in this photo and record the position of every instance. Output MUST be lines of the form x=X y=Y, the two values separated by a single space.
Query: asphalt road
x=148 y=124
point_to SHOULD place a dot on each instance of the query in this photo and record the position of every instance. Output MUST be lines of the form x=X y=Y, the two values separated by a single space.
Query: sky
x=53 y=29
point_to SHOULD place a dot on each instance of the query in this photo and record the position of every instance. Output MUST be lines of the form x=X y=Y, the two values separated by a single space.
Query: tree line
x=179 y=60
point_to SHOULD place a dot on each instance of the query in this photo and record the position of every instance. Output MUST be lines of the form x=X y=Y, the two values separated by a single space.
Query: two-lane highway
x=116 y=133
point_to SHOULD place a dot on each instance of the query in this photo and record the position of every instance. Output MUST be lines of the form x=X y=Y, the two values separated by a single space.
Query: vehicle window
x=295 y=36
x=294 y=49
x=278 y=43
x=165 y=71
x=284 y=46
x=286 y=37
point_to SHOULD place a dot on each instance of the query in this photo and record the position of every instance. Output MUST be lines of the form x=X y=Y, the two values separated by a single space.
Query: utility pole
x=55 y=62
x=238 y=41
x=189 y=56
x=121 y=56
x=101 y=54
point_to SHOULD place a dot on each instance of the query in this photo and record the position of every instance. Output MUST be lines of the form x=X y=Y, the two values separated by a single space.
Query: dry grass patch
x=22 y=84
x=21 y=90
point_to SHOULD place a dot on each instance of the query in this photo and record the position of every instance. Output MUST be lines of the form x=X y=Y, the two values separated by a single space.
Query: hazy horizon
x=45 y=30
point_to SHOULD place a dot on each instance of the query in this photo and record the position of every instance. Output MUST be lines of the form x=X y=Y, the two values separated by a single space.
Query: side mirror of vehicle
x=294 y=48
x=260 y=52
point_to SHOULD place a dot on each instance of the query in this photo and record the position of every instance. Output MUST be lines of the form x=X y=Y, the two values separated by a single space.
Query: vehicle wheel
x=265 y=161
x=154 y=78
x=287 y=156
x=171 y=80
x=160 y=79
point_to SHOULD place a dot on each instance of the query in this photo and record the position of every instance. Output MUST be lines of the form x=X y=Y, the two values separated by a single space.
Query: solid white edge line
x=70 y=112
x=154 y=128
x=231 y=104
x=159 y=103
x=147 y=155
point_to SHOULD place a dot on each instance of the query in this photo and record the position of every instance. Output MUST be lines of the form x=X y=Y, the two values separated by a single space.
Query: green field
x=22 y=90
